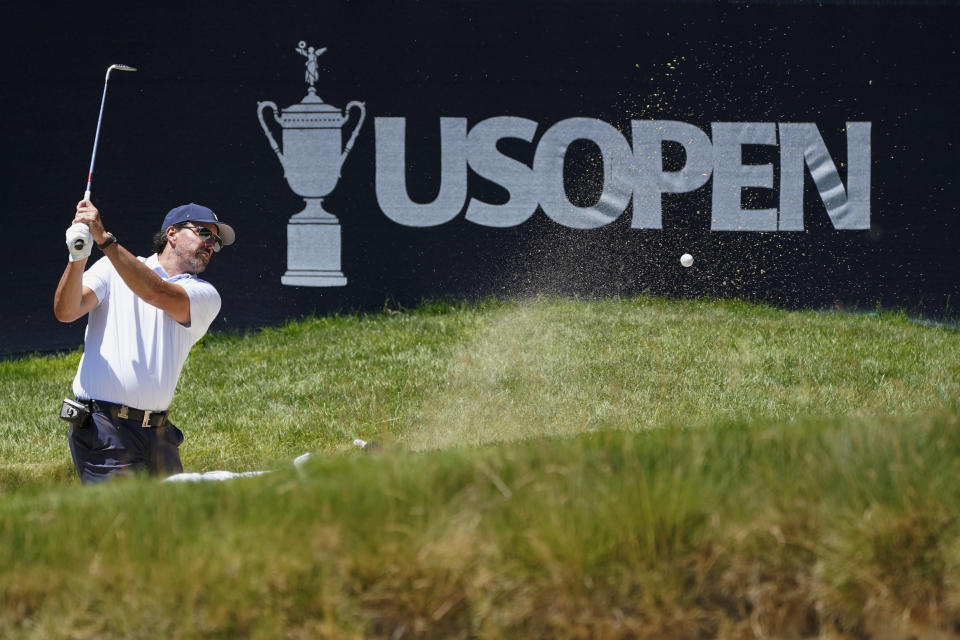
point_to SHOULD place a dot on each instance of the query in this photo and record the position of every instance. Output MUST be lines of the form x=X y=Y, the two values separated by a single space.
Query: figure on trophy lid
x=311 y=55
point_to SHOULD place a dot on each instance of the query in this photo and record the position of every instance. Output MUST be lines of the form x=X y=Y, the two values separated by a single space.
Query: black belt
x=145 y=418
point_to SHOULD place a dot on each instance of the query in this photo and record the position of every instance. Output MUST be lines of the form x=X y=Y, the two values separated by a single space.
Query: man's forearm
x=147 y=285
x=69 y=294
x=139 y=277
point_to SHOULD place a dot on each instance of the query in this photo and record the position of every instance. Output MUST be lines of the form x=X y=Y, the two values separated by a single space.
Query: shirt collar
x=154 y=263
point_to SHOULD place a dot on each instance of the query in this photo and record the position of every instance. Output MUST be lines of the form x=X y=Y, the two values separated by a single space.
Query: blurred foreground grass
x=637 y=468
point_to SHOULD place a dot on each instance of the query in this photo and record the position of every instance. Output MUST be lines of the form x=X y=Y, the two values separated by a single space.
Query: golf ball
x=686 y=260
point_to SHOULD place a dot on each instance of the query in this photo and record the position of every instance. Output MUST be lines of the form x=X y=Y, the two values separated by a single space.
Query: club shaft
x=96 y=137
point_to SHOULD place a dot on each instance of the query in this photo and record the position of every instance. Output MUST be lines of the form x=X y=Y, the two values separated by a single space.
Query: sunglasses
x=206 y=235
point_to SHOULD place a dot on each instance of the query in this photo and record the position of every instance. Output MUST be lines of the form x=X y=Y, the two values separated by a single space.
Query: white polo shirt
x=133 y=352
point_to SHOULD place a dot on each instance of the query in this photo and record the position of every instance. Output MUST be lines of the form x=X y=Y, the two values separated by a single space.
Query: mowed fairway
x=550 y=468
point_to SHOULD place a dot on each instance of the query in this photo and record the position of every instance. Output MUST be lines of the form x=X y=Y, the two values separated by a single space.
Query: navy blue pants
x=104 y=447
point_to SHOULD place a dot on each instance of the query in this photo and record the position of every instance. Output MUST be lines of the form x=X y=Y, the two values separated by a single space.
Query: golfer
x=144 y=316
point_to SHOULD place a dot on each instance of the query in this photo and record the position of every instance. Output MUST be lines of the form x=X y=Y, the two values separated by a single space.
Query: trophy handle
x=273 y=143
x=356 y=129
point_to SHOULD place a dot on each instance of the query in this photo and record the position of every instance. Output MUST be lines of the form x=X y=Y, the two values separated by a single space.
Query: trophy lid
x=312 y=103
x=312 y=113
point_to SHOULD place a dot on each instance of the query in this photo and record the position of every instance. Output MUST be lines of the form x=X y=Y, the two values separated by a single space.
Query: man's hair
x=160 y=238
x=159 y=241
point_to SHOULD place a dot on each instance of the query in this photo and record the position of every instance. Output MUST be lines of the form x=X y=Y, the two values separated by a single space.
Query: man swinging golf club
x=144 y=316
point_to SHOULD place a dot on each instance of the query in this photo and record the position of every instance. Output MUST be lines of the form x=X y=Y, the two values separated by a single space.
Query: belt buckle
x=146 y=419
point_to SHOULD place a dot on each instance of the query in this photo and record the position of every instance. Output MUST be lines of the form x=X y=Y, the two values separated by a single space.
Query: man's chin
x=197 y=266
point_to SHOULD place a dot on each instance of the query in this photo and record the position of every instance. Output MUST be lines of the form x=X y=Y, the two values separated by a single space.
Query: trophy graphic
x=312 y=156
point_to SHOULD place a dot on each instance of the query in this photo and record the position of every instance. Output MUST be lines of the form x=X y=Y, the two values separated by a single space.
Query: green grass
x=553 y=468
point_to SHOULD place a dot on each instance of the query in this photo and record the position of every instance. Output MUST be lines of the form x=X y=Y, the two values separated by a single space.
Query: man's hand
x=78 y=235
x=90 y=216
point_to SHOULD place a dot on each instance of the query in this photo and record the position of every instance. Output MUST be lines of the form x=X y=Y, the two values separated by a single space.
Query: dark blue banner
x=382 y=153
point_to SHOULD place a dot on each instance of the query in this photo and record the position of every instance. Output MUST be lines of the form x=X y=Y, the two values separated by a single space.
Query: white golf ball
x=686 y=260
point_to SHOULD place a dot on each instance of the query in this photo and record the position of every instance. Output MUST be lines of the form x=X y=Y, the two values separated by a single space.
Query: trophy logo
x=312 y=156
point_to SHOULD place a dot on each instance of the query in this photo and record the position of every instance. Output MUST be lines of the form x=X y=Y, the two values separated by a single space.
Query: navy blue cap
x=199 y=213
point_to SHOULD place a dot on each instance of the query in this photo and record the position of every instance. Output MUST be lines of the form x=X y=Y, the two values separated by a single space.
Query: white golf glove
x=78 y=235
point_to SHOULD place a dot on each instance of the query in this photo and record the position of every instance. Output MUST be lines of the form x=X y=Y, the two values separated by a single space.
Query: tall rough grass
x=829 y=528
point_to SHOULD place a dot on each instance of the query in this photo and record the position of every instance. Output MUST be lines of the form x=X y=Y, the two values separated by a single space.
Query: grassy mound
x=625 y=469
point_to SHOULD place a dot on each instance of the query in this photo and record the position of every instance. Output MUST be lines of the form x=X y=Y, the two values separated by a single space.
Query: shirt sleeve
x=204 y=304
x=97 y=278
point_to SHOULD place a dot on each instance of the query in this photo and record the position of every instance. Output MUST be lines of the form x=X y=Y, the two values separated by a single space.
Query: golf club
x=78 y=244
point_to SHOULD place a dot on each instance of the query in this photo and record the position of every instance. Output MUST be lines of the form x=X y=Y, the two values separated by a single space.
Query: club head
x=118 y=67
